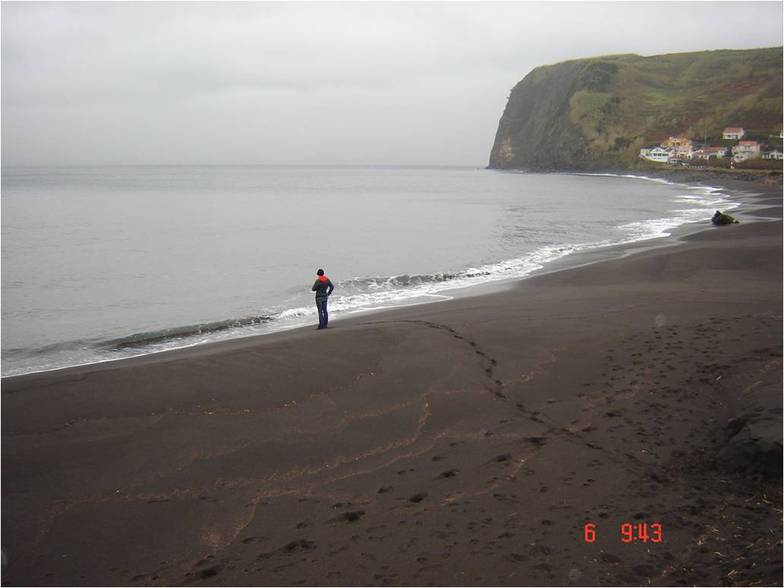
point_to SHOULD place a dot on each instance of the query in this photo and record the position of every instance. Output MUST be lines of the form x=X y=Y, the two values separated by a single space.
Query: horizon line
x=289 y=165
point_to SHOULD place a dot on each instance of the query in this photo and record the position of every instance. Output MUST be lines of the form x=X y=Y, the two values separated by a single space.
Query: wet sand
x=459 y=443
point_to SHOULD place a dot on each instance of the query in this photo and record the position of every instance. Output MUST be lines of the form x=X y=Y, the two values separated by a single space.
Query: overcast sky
x=310 y=83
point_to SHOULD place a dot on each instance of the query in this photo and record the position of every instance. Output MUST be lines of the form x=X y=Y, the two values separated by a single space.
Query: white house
x=710 y=153
x=775 y=154
x=746 y=150
x=656 y=154
x=684 y=152
x=734 y=133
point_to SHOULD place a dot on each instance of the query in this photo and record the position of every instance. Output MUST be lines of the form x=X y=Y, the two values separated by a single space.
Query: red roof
x=733 y=130
x=750 y=143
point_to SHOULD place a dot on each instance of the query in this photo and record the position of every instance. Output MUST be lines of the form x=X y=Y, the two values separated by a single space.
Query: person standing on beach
x=323 y=288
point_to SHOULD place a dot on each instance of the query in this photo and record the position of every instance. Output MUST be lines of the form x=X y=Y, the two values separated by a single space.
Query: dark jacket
x=322 y=287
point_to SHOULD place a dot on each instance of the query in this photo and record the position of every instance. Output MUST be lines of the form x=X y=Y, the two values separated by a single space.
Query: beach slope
x=465 y=442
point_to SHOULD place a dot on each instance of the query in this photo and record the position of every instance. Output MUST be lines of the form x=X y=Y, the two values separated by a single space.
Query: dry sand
x=458 y=443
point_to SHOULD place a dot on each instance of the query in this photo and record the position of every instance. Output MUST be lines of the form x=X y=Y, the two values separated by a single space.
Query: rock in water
x=723 y=219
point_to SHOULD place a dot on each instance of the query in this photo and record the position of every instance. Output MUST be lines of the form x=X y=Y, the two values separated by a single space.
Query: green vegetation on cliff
x=597 y=113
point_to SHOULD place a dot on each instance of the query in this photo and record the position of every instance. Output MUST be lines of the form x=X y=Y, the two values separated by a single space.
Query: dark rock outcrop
x=535 y=131
x=720 y=218
x=753 y=447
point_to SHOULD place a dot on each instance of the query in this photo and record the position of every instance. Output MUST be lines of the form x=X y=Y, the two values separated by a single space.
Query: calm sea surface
x=104 y=263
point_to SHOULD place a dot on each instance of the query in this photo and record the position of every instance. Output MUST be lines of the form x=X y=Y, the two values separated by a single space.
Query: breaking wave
x=146 y=338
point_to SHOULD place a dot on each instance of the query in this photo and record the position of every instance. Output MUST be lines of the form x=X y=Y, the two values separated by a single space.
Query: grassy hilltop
x=598 y=112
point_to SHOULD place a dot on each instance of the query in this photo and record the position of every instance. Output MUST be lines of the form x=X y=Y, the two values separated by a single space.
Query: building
x=746 y=150
x=775 y=154
x=710 y=153
x=734 y=133
x=681 y=147
x=675 y=142
x=656 y=154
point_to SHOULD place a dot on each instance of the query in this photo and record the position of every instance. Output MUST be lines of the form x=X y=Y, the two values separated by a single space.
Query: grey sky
x=310 y=83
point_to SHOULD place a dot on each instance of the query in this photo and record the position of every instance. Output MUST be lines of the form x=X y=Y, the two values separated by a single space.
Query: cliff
x=597 y=113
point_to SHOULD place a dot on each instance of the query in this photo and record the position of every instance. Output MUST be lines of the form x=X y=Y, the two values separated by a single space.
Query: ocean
x=103 y=263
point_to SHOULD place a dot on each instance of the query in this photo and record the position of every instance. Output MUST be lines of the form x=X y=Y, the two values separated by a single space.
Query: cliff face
x=597 y=113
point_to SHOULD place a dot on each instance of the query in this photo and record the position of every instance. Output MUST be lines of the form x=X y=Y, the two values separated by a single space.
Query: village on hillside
x=681 y=150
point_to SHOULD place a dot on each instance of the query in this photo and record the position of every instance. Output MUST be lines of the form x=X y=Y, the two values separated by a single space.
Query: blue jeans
x=321 y=306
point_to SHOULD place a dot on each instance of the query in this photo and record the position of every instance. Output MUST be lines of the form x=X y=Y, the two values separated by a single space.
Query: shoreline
x=466 y=442
x=578 y=258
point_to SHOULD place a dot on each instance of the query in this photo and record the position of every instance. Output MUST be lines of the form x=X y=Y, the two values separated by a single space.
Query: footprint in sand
x=209 y=572
x=448 y=474
x=350 y=517
x=609 y=558
x=537 y=441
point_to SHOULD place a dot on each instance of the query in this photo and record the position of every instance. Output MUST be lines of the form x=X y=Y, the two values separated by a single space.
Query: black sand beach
x=460 y=443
